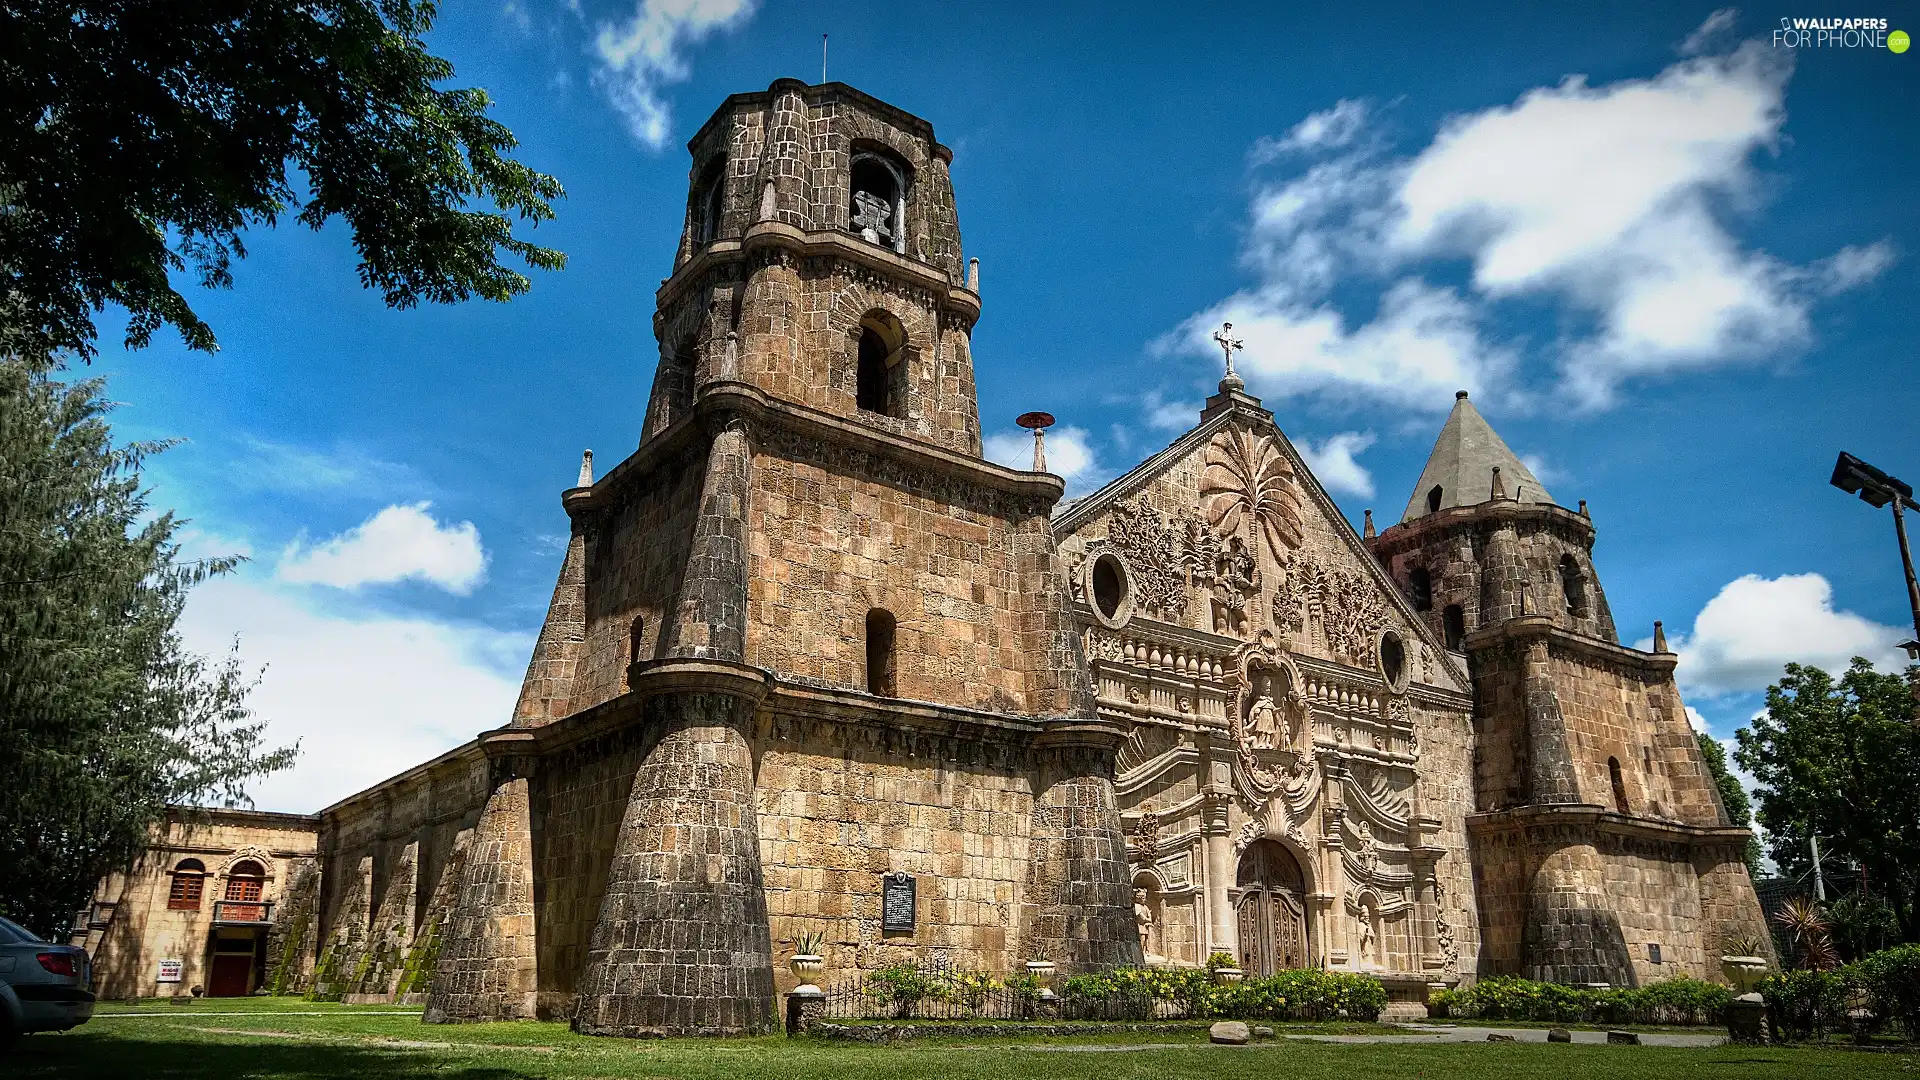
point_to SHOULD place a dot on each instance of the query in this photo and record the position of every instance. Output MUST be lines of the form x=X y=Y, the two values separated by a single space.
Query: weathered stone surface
x=1559 y=1035
x=1624 y=1038
x=486 y=968
x=1230 y=1032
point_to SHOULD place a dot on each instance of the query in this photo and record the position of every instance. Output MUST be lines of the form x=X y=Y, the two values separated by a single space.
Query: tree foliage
x=1840 y=760
x=141 y=138
x=104 y=717
x=1732 y=795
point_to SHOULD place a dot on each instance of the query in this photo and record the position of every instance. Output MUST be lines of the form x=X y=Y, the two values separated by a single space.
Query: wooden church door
x=1272 y=910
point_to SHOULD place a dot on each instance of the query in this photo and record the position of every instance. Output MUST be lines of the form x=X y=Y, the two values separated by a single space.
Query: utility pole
x=1819 y=878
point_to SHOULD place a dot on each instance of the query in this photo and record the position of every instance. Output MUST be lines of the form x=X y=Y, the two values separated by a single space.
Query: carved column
x=1222 y=933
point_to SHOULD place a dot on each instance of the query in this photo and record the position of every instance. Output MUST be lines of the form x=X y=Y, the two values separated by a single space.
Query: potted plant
x=1225 y=971
x=808 y=960
x=1042 y=971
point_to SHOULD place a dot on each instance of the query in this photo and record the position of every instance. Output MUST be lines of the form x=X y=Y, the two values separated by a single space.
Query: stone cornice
x=1408 y=535
x=900 y=118
x=1602 y=820
x=924 y=717
x=1530 y=628
x=720 y=401
x=471 y=750
x=829 y=243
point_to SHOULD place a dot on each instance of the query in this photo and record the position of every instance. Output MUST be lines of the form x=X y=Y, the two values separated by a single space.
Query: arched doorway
x=1272 y=910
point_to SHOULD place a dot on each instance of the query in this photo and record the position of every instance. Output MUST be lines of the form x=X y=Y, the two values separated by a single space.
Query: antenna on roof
x=823 y=58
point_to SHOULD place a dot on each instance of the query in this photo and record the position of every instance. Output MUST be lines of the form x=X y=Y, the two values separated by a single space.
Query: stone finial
x=1499 y=485
x=973 y=275
x=1660 y=637
x=586 y=469
x=769 y=202
x=1583 y=509
x=1367 y=532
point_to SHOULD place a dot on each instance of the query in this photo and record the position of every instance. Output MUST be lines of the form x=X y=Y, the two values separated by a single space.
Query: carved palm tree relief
x=1248 y=478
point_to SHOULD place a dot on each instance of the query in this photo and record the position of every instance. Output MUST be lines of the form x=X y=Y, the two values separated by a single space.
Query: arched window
x=709 y=201
x=189 y=878
x=1393 y=661
x=637 y=639
x=1454 y=622
x=1574 y=585
x=880 y=374
x=877 y=203
x=880 y=661
x=245 y=882
x=1619 y=785
x=1420 y=584
x=1433 y=500
x=1109 y=585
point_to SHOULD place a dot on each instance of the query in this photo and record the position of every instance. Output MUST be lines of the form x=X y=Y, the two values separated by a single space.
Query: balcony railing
x=242 y=912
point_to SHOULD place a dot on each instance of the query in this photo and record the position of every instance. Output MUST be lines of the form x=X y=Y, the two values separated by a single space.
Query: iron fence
x=937 y=991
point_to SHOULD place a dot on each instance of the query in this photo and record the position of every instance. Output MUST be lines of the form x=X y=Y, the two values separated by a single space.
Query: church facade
x=814 y=666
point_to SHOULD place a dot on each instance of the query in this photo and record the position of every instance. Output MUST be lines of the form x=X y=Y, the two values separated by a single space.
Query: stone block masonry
x=486 y=968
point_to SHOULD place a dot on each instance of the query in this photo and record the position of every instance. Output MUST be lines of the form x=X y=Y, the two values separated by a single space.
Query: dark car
x=43 y=986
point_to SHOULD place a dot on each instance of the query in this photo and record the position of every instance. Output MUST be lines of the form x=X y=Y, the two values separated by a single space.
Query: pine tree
x=105 y=718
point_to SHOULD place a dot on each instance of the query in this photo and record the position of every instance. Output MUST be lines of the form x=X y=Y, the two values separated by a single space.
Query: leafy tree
x=104 y=717
x=1732 y=795
x=1840 y=760
x=139 y=138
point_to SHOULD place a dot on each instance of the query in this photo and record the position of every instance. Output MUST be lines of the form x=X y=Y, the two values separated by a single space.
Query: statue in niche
x=1236 y=581
x=1369 y=942
x=1263 y=719
x=1143 y=920
x=873 y=216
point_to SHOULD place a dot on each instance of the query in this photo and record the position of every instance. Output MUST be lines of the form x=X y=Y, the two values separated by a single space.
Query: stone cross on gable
x=1228 y=344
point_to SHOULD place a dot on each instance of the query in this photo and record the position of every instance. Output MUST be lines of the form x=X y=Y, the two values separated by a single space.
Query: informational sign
x=170 y=970
x=896 y=903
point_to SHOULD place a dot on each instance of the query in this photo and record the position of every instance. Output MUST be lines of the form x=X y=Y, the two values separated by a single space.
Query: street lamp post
x=1877 y=489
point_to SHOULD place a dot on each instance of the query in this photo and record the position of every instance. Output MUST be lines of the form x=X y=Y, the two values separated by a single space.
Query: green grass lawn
x=266 y=1039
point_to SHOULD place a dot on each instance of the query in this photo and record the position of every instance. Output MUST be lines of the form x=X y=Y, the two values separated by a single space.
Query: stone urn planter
x=1042 y=971
x=807 y=967
x=1747 y=1012
x=1227 y=976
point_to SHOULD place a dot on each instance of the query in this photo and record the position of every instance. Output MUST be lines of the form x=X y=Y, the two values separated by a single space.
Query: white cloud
x=1328 y=129
x=1164 y=415
x=1070 y=454
x=1422 y=345
x=398 y=543
x=369 y=696
x=1332 y=462
x=1709 y=33
x=1755 y=626
x=1608 y=203
x=646 y=52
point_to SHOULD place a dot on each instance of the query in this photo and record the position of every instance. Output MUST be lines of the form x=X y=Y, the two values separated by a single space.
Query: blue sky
x=1667 y=256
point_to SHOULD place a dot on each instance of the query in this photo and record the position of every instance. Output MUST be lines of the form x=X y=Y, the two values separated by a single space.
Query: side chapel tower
x=804 y=637
x=1602 y=850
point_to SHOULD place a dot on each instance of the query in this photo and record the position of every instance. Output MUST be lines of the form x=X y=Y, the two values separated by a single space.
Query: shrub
x=1891 y=979
x=1304 y=994
x=906 y=986
x=1509 y=997
x=1805 y=1003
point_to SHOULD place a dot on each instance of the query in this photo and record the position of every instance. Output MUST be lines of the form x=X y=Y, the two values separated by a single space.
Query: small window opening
x=1109 y=589
x=880 y=658
x=1574 y=585
x=876 y=207
x=871 y=392
x=709 y=202
x=1420 y=583
x=1619 y=785
x=1454 y=622
x=189 y=878
x=1433 y=500
x=636 y=641
x=1393 y=661
x=245 y=882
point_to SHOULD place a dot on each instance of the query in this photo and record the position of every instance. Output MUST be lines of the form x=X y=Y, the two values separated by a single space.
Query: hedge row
x=1302 y=994
x=1881 y=988
x=1507 y=997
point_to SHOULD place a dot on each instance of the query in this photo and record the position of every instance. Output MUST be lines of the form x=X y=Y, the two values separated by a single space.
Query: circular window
x=1110 y=589
x=1393 y=661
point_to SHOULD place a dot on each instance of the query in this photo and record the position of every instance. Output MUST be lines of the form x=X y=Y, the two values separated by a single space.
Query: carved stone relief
x=1248 y=477
x=1154 y=555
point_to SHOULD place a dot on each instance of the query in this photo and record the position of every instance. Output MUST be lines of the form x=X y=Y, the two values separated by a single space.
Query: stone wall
x=842 y=803
x=835 y=535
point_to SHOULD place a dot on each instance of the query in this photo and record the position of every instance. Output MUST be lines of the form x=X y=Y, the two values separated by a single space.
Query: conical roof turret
x=1460 y=471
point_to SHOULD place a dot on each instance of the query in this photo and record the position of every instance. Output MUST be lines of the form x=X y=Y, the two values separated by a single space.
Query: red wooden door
x=231 y=974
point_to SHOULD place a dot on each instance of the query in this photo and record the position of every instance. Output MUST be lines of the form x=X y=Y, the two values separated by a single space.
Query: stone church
x=813 y=665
